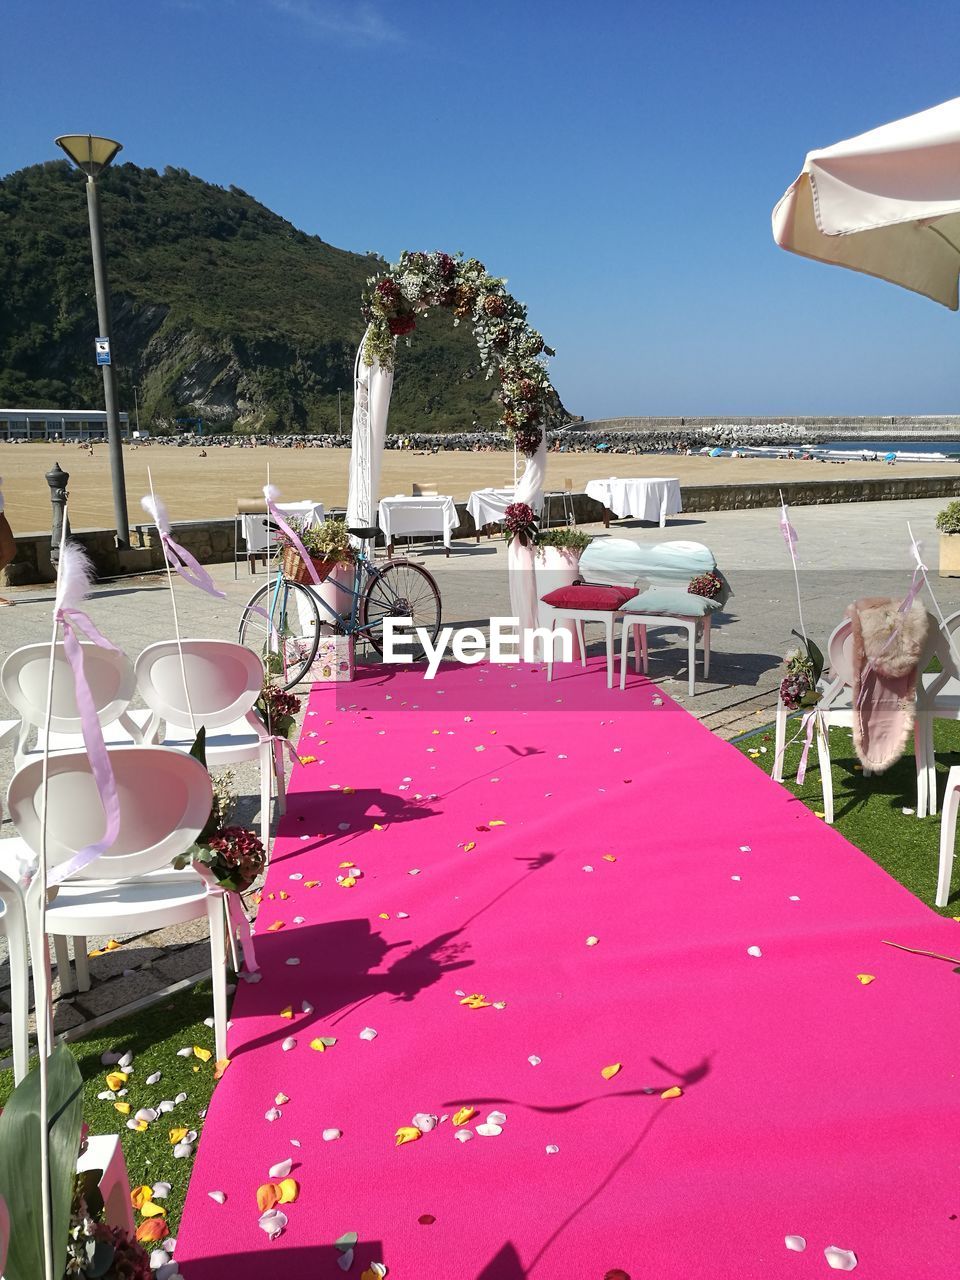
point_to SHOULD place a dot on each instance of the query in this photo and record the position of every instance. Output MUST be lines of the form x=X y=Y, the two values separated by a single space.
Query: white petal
x=552 y=1149
x=132 y=1124
x=298 y=919
x=208 y=1022
x=424 y=1122
x=754 y=951
x=170 y=1244
x=378 y=1269
x=496 y=1117
x=157 y=1259
x=293 y=960
x=167 y=1271
x=282 y=1169
x=463 y=1135
x=281 y=1099
x=368 y=1033
x=796 y=1244
x=182 y=1150
x=296 y=875
x=295 y=1142
x=403 y=915
x=345 y=1261
x=154 y=1079
x=166 y=1106
x=106 y=1095
x=414 y=872
x=273 y=1222
x=588 y=868
x=306 y=1007
x=185 y=1052
x=146 y=1113
x=161 y=1190
x=489 y=1130
x=191 y=1136
x=181 y=1097
x=125 y=1061
x=331 y=1135
x=840 y=1259
x=289 y=1043
x=534 y=1060
x=273 y=1114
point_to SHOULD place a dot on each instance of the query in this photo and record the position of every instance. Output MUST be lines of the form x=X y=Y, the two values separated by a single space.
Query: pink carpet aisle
x=501 y=824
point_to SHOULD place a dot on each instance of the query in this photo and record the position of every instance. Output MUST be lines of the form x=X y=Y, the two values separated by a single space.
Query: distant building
x=58 y=424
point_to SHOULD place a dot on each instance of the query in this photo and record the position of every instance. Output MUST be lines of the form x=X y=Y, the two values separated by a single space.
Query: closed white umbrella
x=886 y=203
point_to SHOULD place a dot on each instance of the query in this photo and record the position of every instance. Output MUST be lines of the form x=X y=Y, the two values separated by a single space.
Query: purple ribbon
x=187 y=565
x=297 y=544
x=72 y=621
x=808 y=725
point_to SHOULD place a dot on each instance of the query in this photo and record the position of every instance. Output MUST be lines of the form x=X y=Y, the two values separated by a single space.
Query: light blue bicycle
x=281 y=621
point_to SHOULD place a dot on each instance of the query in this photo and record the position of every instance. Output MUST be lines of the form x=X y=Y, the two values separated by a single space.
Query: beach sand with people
x=198 y=487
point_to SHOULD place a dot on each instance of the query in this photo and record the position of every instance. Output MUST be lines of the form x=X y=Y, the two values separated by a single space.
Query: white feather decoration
x=75 y=576
x=271 y=492
x=156 y=509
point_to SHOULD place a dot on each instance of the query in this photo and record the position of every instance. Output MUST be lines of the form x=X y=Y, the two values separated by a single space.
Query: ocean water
x=895 y=446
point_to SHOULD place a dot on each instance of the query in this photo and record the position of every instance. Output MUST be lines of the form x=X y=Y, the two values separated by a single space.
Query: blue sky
x=617 y=162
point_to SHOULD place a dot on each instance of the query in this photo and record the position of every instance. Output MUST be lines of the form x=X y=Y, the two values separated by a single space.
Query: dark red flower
x=399 y=325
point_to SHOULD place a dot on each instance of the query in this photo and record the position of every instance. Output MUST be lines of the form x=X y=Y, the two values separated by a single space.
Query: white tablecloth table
x=640 y=499
x=487 y=506
x=308 y=514
x=401 y=516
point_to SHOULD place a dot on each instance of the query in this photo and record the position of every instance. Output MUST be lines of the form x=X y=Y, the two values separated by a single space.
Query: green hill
x=221 y=310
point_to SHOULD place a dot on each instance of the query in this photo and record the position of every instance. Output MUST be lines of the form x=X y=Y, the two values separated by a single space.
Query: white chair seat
x=142 y=904
x=115 y=734
x=238 y=741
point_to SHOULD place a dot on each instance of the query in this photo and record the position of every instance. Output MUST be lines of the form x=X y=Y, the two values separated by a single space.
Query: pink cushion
x=588 y=597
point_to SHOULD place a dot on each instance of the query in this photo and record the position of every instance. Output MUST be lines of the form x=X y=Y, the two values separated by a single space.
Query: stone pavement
x=844 y=551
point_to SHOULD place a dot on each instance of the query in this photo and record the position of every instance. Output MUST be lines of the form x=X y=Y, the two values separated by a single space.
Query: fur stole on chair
x=886 y=650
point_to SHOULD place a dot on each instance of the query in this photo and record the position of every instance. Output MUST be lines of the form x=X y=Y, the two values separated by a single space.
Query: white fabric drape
x=521 y=563
x=372 y=387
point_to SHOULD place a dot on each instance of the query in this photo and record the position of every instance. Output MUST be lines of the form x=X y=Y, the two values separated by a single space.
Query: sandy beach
x=196 y=487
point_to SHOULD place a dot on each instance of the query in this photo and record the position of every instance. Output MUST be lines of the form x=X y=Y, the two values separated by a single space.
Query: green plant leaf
x=20 y=1183
x=99 y=1259
x=199 y=748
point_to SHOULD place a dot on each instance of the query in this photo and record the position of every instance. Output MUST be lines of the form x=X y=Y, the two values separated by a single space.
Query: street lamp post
x=339 y=414
x=93 y=155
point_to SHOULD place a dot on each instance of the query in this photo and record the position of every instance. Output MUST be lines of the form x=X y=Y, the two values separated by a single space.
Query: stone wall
x=933 y=427
x=212 y=541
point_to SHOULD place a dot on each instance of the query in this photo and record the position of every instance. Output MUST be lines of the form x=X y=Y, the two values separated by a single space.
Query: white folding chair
x=165 y=797
x=24 y=678
x=223 y=681
x=13 y=926
x=938 y=698
x=837 y=711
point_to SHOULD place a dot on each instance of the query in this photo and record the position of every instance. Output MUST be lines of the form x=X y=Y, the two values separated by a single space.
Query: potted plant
x=328 y=546
x=85 y=1246
x=558 y=562
x=948 y=522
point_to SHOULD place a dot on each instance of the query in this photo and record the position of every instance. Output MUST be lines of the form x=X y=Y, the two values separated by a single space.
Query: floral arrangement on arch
x=508 y=346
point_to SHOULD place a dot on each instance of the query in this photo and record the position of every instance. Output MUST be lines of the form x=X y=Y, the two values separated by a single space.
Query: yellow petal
x=287 y=1012
x=865 y=978
x=140 y=1196
x=674 y=1092
x=407 y=1133
x=310 y=884
x=384 y=915
x=116 y=1080
x=318 y=1045
x=124 y=1109
x=496 y=822
x=471 y=844
x=151 y=1210
x=609 y=1072
x=289 y=1189
x=203 y=1054
x=464 y=1114
x=609 y=857
x=348 y=882
x=219 y=1067
x=177 y=1135
x=592 y=940
x=277 y=924
x=308 y=759
x=284 y=895
x=142 y=1126
x=348 y=791
x=112 y=945
x=377 y=826
x=347 y=864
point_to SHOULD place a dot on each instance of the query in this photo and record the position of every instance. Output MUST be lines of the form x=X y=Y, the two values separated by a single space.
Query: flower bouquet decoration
x=519 y=522
x=798 y=688
x=708 y=585
x=278 y=710
x=231 y=855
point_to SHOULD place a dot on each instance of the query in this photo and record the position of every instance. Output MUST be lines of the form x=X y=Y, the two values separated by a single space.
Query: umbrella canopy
x=886 y=203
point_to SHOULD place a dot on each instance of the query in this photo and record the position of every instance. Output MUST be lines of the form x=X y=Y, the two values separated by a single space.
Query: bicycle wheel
x=282 y=626
x=400 y=589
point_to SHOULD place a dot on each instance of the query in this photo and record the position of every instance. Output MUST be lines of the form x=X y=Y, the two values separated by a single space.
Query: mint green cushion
x=671 y=600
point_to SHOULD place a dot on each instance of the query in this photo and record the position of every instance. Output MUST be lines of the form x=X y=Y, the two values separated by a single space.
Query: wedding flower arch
x=509 y=348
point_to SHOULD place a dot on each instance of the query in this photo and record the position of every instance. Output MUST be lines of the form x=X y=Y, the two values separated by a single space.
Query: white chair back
x=165 y=797
x=224 y=680
x=24 y=674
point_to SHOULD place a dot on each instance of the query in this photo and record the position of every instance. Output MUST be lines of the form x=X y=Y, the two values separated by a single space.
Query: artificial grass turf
x=153 y=1036
x=869 y=811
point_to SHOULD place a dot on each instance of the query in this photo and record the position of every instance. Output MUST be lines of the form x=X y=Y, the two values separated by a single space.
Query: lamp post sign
x=103 y=350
